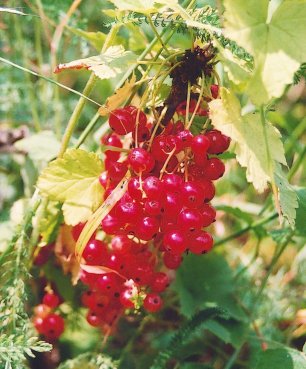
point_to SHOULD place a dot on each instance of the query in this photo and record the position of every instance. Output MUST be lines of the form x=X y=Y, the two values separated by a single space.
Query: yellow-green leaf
x=118 y=98
x=248 y=135
x=73 y=180
x=96 y=39
x=274 y=36
x=112 y=63
x=145 y=7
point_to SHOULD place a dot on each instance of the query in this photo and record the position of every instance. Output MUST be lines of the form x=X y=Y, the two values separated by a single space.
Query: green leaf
x=287 y=196
x=248 y=134
x=73 y=180
x=96 y=39
x=240 y=214
x=208 y=271
x=145 y=7
x=281 y=358
x=50 y=223
x=275 y=39
x=41 y=147
x=110 y=64
x=301 y=212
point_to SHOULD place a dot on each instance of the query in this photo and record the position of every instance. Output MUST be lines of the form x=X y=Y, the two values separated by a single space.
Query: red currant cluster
x=159 y=218
x=51 y=325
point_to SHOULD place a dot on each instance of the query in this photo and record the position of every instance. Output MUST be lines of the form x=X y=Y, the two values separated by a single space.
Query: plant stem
x=296 y=164
x=246 y=229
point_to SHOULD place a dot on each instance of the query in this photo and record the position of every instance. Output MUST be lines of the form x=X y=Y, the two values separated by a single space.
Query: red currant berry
x=218 y=142
x=142 y=118
x=153 y=208
x=93 y=319
x=53 y=326
x=111 y=224
x=141 y=161
x=147 y=228
x=208 y=214
x=129 y=211
x=51 y=299
x=208 y=188
x=152 y=303
x=107 y=283
x=95 y=252
x=160 y=282
x=42 y=310
x=112 y=140
x=200 y=144
x=172 y=261
x=143 y=134
x=153 y=188
x=39 y=324
x=214 y=89
x=174 y=241
x=214 y=169
x=190 y=220
x=185 y=137
x=126 y=297
x=117 y=171
x=121 y=121
x=201 y=243
x=121 y=244
x=172 y=182
x=192 y=194
x=172 y=205
x=134 y=189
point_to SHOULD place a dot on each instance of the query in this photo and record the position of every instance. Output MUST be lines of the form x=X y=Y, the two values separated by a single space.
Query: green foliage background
x=224 y=307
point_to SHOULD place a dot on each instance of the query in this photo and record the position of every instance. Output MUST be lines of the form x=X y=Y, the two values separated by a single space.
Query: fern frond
x=183 y=334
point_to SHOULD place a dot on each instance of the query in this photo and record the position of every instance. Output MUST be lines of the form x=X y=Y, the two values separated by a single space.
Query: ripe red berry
x=218 y=142
x=189 y=220
x=214 y=89
x=208 y=214
x=39 y=324
x=185 y=137
x=143 y=133
x=172 y=182
x=192 y=194
x=172 y=261
x=142 y=118
x=153 y=208
x=159 y=282
x=174 y=241
x=214 y=169
x=117 y=171
x=201 y=243
x=93 y=319
x=53 y=326
x=126 y=297
x=152 y=303
x=95 y=252
x=106 y=283
x=51 y=299
x=42 y=310
x=111 y=224
x=147 y=228
x=199 y=145
x=112 y=140
x=153 y=188
x=208 y=188
x=141 y=161
x=134 y=189
x=121 y=121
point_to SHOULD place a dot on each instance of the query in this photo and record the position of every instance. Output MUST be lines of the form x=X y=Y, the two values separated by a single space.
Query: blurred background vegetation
x=250 y=247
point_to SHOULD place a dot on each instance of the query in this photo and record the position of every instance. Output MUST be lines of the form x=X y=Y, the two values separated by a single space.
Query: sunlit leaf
x=73 y=180
x=248 y=135
x=275 y=39
x=112 y=63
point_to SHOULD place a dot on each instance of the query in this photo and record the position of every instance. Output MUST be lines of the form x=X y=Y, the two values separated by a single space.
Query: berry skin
x=163 y=145
x=95 y=252
x=185 y=137
x=53 y=326
x=172 y=182
x=147 y=228
x=159 y=282
x=214 y=169
x=172 y=261
x=153 y=208
x=174 y=241
x=201 y=243
x=42 y=310
x=121 y=244
x=209 y=190
x=93 y=319
x=121 y=121
x=111 y=224
x=142 y=118
x=112 y=140
x=129 y=211
x=218 y=142
x=126 y=298
x=107 y=283
x=39 y=324
x=51 y=299
x=200 y=145
x=208 y=214
x=152 y=303
x=189 y=220
x=153 y=188
x=141 y=161
x=214 y=89
x=134 y=189
x=117 y=171
x=192 y=194
x=143 y=134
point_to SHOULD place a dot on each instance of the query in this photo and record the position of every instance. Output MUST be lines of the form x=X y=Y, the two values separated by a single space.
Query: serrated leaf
x=144 y=7
x=281 y=358
x=249 y=136
x=208 y=271
x=110 y=64
x=41 y=147
x=96 y=39
x=73 y=180
x=301 y=212
x=275 y=40
x=287 y=196
x=120 y=95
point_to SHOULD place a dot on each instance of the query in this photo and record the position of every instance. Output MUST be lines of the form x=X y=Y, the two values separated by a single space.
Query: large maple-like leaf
x=275 y=36
x=74 y=181
x=109 y=64
x=249 y=134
